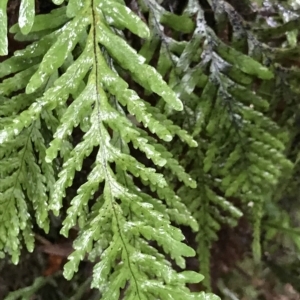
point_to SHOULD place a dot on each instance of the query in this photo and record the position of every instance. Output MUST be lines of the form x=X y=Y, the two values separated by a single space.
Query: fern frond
x=65 y=64
x=187 y=125
x=24 y=187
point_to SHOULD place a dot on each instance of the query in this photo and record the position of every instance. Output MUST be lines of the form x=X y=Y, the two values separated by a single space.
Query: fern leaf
x=3 y=30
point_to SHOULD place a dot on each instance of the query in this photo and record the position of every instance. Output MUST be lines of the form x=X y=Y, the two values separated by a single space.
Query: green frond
x=24 y=188
x=3 y=30
x=229 y=164
x=130 y=218
x=169 y=119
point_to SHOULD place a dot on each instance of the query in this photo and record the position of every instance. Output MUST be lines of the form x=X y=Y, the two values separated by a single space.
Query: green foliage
x=212 y=146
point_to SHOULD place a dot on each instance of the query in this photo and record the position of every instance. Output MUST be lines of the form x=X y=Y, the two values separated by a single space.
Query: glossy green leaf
x=26 y=15
x=207 y=296
x=3 y=28
x=130 y=60
x=57 y=2
x=244 y=62
x=180 y=23
x=57 y=53
x=124 y=17
x=42 y=22
x=73 y=8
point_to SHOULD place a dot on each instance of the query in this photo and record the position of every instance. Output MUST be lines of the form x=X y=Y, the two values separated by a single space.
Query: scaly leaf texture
x=26 y=178
x=71 y=73
x=3 y=29
x=198 y=140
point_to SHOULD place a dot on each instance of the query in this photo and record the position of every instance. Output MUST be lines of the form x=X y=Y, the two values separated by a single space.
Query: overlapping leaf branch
x=240 y=157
